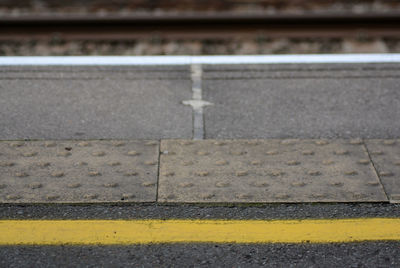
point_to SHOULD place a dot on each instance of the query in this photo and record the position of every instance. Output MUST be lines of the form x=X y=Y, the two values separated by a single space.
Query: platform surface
x=112 y=146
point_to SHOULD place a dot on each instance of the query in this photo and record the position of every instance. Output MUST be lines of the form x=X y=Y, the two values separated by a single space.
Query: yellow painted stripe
x=108 y=232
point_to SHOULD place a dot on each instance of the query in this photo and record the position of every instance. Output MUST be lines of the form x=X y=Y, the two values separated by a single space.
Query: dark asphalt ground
x=381 y=254
x=366 y=254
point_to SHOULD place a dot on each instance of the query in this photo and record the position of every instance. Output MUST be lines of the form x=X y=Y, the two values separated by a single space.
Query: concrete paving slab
x=78 y=171
x=78 y=103
x=251 y=171
x=289 y=101
x=385 y=155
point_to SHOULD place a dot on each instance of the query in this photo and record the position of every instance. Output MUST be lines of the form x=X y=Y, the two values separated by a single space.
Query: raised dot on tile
x=128 y=195
x=50 y=144
x=110 y=185
x=317 y=195
x=185 y=184
x=151 y=143
x=21 y=174
x=222 y=184
x=255 y=163
x=133 y=153
x=148 y=184
x=253 y=142
x=307 y=152
x=171 y=196
x=74 y=185
x=187 y=163
x=94 y=173
x=202 y=153
x=13 y=197
x=80 y=164
x=327 y=162
x=43 y=164
x=359 y=195
x=168 y=173
x=201 y=173
x=219 y=143
x=314 y=173
x=114 y=163
x=100 y=153
x=207 y=196
x=64 y=153
x=29 y=154
x=238 y=152
x=83 y=144
x=186 y=143
x=90 y=196
x=337 y=184
x=259 y=184
x=57 y=174
x=7 y=164
x=298 y=184
x=356 y=141
x=241 y=173
x=276 y=173
x=351 y=173
x=17 y=144
x=385 y=173
x=150 y=163
x=389 y=142
x=281 y=196
x=363 y=161
x=243 y=196
x=52 y=197
x=377 y=153
x=221 y=162
x=35 y=185
x=118 y=143
x=292 y=163
x=272 y=152
x=372 y=183
x=289 y=142
x=321 y=142
x=341 y=152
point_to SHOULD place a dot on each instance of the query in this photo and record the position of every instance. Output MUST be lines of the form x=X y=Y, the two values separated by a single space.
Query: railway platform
x=233 y=160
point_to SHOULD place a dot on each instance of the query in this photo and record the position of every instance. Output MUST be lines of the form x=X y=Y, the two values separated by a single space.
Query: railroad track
x=217 y=25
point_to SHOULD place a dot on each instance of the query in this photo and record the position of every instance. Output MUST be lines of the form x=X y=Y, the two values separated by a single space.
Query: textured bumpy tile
x=267 y=171
x=78 y=171
x=385 y=155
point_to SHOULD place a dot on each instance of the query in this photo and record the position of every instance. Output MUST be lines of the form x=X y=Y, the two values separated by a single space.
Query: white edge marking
x=188 y=60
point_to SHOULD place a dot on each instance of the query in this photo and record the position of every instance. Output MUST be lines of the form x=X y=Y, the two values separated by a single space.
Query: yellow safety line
x=109 y=232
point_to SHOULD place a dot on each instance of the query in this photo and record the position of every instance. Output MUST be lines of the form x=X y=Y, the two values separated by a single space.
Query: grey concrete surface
x=185 y=211
x=100 y=103
x=372 y=254
x=289 y=101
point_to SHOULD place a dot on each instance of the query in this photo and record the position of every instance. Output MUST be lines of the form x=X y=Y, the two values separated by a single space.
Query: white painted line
x=197 y=103
x=188 y=60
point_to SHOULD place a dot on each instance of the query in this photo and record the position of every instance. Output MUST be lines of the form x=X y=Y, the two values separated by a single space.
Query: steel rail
x=219 y=26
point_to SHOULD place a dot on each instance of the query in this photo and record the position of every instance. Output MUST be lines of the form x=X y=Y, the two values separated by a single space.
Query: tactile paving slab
x=267 y=171
x=385 y=155
x=78 y=171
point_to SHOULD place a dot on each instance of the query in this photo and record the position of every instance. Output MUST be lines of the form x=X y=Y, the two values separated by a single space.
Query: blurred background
x=198 y=27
